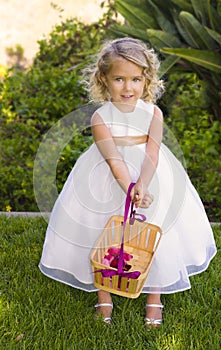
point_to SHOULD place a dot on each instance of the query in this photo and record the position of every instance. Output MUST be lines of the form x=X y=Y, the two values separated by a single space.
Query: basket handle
x=128 y=203
x=120 y=272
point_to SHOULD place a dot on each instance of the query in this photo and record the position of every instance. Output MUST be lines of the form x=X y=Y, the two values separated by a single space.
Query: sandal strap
x=152 y=321
x=104 y=304
x=155 y=305
x=105 y=319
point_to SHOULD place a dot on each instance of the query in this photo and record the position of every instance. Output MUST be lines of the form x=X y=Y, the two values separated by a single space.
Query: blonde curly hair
x=133 y=50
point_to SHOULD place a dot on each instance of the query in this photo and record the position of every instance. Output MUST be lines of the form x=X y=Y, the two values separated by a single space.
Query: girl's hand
x=139 y=198
x=136 y=194
x=147 y=200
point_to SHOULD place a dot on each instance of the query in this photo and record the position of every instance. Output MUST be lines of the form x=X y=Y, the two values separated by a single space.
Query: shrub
x=34 y=99
x=198 y=134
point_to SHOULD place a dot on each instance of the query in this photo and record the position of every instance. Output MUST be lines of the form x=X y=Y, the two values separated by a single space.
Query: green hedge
x=198 y=134
x=32 y=101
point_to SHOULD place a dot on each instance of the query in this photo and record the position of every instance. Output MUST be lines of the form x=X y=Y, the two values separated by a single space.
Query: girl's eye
x=136 y=79
x=118 y=79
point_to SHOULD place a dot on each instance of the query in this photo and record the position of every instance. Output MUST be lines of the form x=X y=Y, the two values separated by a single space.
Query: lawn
x=37 y=313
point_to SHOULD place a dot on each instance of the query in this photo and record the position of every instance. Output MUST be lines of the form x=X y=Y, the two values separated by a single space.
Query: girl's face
x=125 y=82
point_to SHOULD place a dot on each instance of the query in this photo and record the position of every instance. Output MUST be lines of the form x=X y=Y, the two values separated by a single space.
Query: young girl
x=127 y=131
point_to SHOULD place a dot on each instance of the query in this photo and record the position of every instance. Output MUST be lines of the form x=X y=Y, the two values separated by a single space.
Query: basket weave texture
x=140 y=240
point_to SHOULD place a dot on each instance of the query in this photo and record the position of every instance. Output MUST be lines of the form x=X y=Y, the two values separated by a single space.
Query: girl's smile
x=125 y=83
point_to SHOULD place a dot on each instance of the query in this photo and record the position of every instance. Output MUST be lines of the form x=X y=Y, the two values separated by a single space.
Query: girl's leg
x=104 y=298
x=154 y=312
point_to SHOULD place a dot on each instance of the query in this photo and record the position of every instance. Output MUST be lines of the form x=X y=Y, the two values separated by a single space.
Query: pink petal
x=105 y=262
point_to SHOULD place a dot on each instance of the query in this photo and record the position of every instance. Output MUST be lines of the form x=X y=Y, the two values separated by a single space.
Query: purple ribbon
x=133 y=216
x=110 y=273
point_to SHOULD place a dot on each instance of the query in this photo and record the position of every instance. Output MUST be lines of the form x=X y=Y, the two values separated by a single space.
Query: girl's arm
x=151 y=157
x=104 y=141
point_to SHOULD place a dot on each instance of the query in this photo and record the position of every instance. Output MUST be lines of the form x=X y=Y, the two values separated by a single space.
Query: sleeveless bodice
x=127 y=124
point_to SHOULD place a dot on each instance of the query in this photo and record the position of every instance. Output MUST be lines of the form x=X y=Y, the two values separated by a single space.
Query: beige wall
x=24 y=22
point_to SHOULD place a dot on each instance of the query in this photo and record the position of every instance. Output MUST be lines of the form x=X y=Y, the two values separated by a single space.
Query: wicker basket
x=140 y=240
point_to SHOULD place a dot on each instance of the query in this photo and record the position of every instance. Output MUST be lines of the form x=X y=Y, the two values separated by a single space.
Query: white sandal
x=106 y=319
x=152 y=321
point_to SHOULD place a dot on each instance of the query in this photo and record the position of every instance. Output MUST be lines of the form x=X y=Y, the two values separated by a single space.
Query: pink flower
x=116 y=251
x=112 y=258
x=105 y=262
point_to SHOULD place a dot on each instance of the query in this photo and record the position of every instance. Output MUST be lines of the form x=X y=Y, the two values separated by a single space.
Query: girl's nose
x=127 y=85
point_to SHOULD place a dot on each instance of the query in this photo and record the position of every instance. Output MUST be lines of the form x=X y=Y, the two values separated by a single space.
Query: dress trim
x=130 y=140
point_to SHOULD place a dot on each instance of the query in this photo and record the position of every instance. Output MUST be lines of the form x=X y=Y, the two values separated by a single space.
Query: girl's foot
x=105 y=310
x=153 y=315
x=104 y=306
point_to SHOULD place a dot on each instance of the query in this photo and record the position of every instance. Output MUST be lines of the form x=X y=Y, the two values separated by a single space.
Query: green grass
x=38 y=313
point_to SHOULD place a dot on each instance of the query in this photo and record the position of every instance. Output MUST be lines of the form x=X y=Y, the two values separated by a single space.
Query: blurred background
x=25 y=22
x=45 y=46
